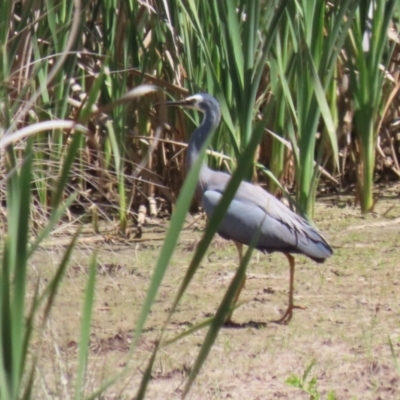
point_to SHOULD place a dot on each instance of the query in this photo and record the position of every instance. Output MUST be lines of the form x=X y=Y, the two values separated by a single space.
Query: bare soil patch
x=353 y=311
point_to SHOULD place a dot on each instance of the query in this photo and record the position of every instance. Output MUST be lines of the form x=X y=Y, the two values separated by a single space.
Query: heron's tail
x=317 y=247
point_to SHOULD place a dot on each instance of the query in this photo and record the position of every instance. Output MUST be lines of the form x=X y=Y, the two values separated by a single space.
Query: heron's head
x=202 y=102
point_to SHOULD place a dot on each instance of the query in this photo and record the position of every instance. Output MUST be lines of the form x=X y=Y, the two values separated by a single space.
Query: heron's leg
x=239 y=247
x=287 y=316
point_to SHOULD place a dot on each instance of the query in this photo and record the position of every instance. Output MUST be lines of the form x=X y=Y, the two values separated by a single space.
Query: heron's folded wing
x=253 y=209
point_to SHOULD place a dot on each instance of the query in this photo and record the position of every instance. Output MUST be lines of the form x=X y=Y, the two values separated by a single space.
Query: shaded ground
x=352 y=312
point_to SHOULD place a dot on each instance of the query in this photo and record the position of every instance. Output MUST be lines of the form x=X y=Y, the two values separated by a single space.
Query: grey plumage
x=281 y=229
x=252 y=208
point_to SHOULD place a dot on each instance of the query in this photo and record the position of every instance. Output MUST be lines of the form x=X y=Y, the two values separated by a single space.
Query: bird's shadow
x=249 y=324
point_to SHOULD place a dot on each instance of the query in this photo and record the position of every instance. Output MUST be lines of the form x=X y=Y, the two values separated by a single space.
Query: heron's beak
x=181 y=103
x=189 y=102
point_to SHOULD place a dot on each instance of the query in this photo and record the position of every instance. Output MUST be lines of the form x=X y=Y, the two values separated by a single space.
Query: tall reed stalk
x=306 y=52
x=368 y=55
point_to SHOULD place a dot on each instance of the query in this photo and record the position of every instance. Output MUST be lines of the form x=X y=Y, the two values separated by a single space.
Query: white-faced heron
x=252 y=208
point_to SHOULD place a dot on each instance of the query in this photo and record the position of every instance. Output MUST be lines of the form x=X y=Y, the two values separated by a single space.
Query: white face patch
x=197 y=98
x=204 y=103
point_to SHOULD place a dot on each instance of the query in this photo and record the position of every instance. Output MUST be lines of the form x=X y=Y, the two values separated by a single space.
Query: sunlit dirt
x=351 y=315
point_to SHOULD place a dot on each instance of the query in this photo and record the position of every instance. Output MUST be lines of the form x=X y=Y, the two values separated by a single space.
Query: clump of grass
x=308 y=386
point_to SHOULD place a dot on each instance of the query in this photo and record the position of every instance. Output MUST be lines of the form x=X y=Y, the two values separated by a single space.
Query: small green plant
x=394 y=357
x=308 y=386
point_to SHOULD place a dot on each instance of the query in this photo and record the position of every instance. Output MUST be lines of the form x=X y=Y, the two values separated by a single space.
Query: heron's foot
x=231 y=324
x=285 y=319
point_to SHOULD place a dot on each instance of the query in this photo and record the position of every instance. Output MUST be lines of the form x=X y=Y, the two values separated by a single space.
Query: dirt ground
x=352 y=314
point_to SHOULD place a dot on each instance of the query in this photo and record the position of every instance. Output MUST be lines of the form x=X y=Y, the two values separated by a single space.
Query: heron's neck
x=197 y=140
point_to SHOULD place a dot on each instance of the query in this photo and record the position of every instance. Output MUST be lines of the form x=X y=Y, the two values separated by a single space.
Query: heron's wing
x=280 y=229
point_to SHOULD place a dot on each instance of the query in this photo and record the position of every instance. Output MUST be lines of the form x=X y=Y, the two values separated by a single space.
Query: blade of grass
x=221 y=315
x=85 y=329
